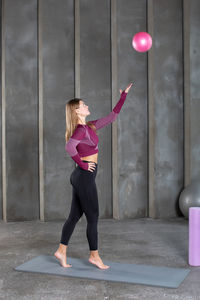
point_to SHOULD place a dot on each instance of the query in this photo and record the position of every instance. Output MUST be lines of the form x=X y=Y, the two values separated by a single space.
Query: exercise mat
x=118 y=272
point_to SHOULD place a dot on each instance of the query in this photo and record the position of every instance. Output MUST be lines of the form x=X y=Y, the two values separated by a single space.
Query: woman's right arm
x=72 y=143
x=111 y=117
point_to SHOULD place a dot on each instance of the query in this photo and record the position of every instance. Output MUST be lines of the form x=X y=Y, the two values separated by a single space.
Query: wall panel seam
x=186 y=90
x=151 y=111
x=3 y=91
x=40 y=112
x=114 y=77
x=77 y=49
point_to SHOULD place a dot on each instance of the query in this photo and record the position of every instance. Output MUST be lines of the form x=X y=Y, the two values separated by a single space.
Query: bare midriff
x=93 y=158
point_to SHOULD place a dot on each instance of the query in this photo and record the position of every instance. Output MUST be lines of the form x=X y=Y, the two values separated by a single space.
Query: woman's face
x=83 y=109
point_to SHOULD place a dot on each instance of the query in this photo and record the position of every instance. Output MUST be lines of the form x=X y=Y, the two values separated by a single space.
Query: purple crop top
x=84 y=141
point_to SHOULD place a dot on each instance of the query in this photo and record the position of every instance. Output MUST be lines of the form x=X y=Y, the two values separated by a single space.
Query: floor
x=141 y=241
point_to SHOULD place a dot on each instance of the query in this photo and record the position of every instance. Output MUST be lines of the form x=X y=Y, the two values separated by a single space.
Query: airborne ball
x=142 y=41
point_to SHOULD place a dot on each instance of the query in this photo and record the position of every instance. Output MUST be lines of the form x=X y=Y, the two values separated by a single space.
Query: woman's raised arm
x=102 y=122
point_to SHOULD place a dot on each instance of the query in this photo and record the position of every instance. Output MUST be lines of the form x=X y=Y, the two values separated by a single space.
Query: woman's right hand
x=127 y=88
x=91 y=166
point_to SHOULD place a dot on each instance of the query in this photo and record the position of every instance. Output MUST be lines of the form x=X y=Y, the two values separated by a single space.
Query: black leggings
x=84 y=200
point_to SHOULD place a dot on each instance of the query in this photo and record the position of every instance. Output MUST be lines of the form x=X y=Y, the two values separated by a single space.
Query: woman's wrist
x=84 y=165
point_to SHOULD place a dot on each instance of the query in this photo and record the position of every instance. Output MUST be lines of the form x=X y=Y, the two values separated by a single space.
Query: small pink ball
x=142 y=41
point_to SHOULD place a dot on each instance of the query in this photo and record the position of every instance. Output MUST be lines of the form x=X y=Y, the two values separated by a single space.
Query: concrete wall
x=53 y=51
x=1 y=198
x=195 y=89
x=57 y=46
x=95 y=86
x=21 y=121
x=168 y=113
x=132 y=120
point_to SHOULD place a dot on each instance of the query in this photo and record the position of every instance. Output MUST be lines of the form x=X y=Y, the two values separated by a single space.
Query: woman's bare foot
x=60 y=254
x=96 y=260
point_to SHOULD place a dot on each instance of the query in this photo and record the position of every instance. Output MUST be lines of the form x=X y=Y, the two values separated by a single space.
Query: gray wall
x=168 y=114
x=95 y=86
x=1 y=199
x=43 y=69
x=195 y=89
x=57 y=46
x=132 y=121
x=21 y=110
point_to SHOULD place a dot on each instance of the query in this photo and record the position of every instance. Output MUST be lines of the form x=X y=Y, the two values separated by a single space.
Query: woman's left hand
x=127 y=89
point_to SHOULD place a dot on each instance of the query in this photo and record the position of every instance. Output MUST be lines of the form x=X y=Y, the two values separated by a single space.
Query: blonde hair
x=72 y=118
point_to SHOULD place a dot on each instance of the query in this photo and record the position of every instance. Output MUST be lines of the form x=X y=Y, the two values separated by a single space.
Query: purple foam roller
x=194 y=236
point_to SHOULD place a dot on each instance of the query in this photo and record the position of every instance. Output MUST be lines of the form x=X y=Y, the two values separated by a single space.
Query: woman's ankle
x=62 y=248
x=94 y=253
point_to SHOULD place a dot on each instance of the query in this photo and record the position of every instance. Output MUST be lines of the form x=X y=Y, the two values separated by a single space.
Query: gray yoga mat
x=120 y=272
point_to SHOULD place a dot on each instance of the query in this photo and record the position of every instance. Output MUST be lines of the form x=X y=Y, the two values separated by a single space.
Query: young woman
x=82 y=146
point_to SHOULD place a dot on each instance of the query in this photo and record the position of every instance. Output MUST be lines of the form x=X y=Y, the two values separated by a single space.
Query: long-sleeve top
x=84 y=140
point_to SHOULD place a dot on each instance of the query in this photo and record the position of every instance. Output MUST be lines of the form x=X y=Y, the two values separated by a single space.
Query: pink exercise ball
x=142 y=41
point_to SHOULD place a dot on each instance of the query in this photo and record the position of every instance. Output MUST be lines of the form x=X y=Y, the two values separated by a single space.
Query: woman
x=82 y=146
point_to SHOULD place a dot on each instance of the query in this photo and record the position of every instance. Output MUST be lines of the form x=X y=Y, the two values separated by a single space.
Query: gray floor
x=142 y=241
